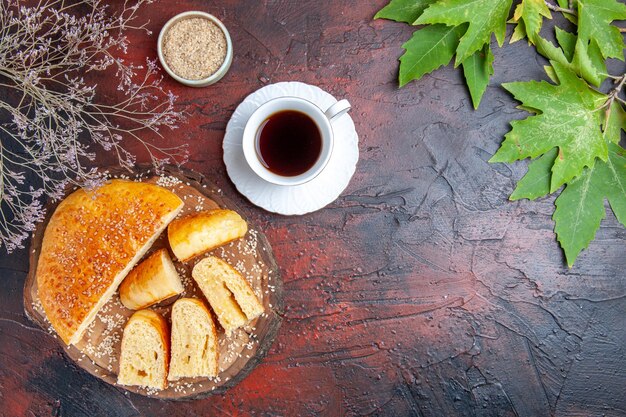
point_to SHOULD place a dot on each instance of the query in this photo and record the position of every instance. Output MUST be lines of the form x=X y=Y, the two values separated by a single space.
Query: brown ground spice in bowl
x=194 y=48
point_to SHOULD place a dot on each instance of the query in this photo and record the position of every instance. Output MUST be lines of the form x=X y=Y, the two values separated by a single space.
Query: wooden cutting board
x=99 y=350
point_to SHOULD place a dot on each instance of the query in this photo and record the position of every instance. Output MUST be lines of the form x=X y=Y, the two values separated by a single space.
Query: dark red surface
x=421 y=291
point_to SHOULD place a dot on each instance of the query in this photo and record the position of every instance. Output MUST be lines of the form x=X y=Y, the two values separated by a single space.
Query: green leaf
x=597 y=61
x=589 y=62
x=529 y=17
x=532 y=12
x=484 y=17
x=553 y=53
x=428 y=49
x=596 y=32
x=565 y=4
x=592 y=62
x=551 y=74
x=580 y=207
x=519 y=32
x=477 y=70
x=568 y=117
x=567 y=41
x=594 y=22
x=536 y=182
x=614 y=122
x=403 y=10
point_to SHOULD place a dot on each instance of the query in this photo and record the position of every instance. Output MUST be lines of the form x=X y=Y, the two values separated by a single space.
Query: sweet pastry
x=194 y=341
x=200 y=232
x=145 y=351
x=92 y=241
x=228 y=292
x=153 y=280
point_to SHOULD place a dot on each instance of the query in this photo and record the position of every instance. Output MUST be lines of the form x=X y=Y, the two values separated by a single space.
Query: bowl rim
x=219 y=73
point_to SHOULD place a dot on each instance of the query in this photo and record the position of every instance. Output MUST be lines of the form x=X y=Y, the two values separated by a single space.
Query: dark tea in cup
x=289 y=140
x=289 y=143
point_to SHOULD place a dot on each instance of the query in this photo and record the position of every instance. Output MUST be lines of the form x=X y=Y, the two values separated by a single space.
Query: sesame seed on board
x=102 y=341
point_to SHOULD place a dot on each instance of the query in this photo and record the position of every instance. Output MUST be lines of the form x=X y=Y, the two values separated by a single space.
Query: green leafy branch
x=574 y=133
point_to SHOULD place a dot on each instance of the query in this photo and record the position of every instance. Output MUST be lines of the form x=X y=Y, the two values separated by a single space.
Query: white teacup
x=323 y=120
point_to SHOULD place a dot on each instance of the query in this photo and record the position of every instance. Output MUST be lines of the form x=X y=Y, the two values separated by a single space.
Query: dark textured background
x=421 y=291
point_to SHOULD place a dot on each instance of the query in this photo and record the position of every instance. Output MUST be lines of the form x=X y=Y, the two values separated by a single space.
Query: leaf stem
x=614 y=95
x=556 y=8
x=620 y=82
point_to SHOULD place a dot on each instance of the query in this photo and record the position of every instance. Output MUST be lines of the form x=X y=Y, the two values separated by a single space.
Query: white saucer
x=299 y=199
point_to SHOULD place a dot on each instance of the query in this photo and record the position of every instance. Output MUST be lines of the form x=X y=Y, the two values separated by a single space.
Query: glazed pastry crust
x=92 y=241
x=153 y=280
x=200 y=232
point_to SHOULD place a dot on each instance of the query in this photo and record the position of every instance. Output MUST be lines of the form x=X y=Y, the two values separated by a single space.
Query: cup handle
x=337 y=110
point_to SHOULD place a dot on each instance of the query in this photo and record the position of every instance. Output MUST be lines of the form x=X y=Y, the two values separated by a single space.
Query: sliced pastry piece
x=194 y=341
x=229 y=294
x=200 y=232
x=93 y=239
x=145 y=351
x=153 y=280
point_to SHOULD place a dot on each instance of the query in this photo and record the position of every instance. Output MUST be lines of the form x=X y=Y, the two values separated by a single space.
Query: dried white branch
x=52 y=121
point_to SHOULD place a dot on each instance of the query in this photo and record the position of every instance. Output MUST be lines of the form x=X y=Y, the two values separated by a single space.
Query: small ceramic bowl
x=221 y=71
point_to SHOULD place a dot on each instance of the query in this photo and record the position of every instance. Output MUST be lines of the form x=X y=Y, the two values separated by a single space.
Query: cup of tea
x=289 y=140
